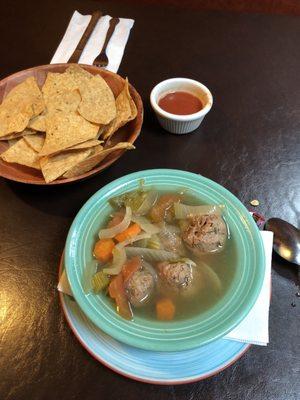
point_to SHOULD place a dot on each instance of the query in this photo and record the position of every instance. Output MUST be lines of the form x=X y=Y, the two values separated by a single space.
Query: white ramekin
x=180 y=124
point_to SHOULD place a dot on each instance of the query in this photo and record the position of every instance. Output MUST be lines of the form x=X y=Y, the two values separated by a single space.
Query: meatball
x=207 y=233
x=139 y=287
x=176 y=274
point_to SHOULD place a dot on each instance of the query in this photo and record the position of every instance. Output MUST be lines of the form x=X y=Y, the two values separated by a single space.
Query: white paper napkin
x=254 y=329
x=63 y=284
x=75 y=30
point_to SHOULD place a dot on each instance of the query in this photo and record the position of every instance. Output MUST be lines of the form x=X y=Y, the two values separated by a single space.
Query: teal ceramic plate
x=175 y=335
x=163 y=368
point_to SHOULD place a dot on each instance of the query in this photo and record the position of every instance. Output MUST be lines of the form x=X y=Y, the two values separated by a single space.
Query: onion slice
x=119 y=254
x=148 y=202
x=146 y=225
x=151 y=255
x=126 y=242
x=188 y=261
x=169 y=228
x=212 y=276
x=113 y=231
x=183 y=211
x=119 y=259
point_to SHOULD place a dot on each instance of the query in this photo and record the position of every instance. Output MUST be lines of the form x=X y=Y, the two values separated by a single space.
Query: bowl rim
x=104 y=164
x=240 y=313
x=176 y=117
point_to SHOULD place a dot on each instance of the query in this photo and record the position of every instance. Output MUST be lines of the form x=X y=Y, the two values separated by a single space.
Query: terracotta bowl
x=127 y=133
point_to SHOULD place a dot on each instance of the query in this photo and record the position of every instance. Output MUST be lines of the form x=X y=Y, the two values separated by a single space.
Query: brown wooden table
x=249 y=143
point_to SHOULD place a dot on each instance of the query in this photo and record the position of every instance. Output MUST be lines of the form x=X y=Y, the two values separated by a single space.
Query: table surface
x=249 y=143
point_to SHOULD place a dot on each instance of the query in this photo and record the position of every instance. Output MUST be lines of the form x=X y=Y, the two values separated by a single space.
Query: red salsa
x=180 y=103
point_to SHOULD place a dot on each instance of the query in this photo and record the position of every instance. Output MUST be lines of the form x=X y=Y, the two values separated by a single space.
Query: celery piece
x=99 y=282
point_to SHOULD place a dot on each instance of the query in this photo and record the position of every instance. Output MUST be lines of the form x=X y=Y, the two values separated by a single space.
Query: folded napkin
x=75 y=30
x=63 y=284
x=254 y=329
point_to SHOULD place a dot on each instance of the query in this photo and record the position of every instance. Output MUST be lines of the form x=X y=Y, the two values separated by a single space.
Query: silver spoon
x=286 y=240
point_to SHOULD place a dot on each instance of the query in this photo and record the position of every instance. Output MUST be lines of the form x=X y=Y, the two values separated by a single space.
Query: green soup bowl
x=183 y=334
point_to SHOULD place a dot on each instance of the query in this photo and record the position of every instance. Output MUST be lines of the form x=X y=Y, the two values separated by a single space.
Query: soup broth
x=179 y=256
x=205 y=294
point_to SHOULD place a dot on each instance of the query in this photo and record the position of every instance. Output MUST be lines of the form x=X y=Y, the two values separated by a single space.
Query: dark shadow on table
x=291 y=7
x=61 y=200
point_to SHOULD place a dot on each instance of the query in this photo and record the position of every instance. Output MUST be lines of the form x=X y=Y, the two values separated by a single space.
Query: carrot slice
x=132 y=231
x=103 y=249
x=130 y=267
x=165 y=309
x=116 y=291
x=163 y=205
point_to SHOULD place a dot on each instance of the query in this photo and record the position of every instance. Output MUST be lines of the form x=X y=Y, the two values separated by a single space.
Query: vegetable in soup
x=164 y=256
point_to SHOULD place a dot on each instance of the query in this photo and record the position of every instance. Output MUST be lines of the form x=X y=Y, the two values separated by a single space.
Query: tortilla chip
x=56 y=84
x=55 y=166
x=100 y=131
x=98 y=102
x=17 y=135
x=78 y=73
x=11 y=142
x=21 y=153
x=133 y=109
x=12 y=121
x=26 y=95
x=86 y=145
x=36 y=142
x=37 y=123
x=23 y=102
x=61 y=90
x=95 y=158
x=65 y=130
x=72 y=79
x=67 y=101
x=126 y=111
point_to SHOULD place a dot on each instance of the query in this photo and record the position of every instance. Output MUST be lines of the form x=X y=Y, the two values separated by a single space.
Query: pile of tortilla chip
x=64 y=128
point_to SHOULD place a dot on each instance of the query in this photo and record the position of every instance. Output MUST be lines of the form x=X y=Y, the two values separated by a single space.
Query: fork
x=102 y=60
